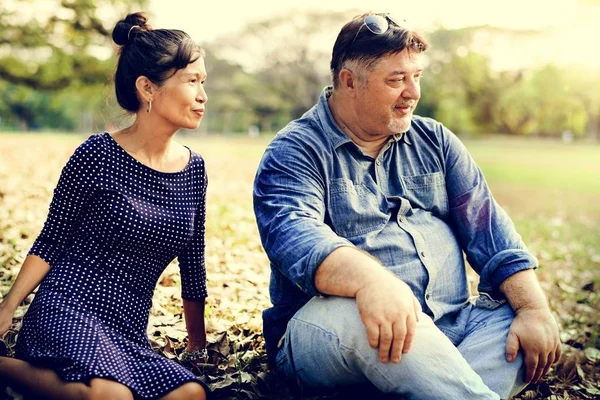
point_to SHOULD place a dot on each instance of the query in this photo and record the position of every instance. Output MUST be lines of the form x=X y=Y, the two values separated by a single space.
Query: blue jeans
x=326 y=346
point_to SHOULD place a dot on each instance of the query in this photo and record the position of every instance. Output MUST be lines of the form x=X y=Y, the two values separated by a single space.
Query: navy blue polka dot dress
x=114 y=225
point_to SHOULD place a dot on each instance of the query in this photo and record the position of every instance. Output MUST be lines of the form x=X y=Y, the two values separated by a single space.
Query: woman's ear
x=145 y=88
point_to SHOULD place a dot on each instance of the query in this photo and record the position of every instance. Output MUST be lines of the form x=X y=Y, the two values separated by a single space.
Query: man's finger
x=549 y=362
x=373 y=335
x=417 y=308
x=557 y=354
x=542 y=367
x=512 y=347
x=531 y=364
x=385 y=342
x=398 y=343
x=411 y=328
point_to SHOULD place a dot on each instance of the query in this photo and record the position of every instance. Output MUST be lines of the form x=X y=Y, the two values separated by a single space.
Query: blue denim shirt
x=416 y=208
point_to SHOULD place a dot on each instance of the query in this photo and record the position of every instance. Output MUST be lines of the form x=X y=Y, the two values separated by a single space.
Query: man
x=364 y=211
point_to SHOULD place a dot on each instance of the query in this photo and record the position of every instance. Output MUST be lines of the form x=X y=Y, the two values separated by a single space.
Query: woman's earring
x=149 y=106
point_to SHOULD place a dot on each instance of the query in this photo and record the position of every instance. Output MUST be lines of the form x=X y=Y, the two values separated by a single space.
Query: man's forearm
x=346 y=270
x=523 y=291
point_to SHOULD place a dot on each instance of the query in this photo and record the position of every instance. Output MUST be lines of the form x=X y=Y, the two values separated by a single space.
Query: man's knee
x=332 y=316
x=339 y=317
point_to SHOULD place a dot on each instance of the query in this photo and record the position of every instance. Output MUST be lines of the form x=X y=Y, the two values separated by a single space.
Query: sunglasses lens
x=397 y=21
x=376 y=24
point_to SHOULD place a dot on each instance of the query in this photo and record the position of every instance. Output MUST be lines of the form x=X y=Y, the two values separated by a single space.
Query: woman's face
x=181 y=99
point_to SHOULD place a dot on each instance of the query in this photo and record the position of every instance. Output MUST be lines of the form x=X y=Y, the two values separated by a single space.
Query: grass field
x=550 y=189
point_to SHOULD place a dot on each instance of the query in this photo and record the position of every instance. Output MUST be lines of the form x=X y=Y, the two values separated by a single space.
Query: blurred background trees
x=56 y=64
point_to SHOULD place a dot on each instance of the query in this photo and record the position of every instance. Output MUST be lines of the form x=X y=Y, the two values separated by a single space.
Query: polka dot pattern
x=114 y=225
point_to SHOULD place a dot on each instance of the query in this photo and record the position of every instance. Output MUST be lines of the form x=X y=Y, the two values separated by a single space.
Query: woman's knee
x=187 y=391
x=101 y=389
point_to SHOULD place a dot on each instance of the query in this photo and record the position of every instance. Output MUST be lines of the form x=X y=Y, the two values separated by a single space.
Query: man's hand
x=534 y=329
x=536 y=333
x=389 y=311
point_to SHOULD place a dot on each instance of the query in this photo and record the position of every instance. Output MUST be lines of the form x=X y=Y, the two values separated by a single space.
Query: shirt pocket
x=427 y=192
x=355 y=209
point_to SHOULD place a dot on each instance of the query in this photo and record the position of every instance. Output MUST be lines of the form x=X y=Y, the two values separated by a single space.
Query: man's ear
x=348 y=81
x=145 y=88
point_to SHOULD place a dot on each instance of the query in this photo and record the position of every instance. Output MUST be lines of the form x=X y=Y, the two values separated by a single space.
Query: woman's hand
x=6 y=317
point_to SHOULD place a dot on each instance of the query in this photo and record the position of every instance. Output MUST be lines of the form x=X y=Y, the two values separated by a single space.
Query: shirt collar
x=333 y=132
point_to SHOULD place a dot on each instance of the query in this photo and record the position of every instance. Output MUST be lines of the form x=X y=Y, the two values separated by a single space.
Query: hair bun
x=126 y=29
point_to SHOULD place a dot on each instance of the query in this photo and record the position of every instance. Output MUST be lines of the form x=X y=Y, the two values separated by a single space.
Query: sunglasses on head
x=379 y=23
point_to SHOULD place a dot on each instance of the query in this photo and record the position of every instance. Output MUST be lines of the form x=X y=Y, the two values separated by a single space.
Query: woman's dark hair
x=356 y=43
x=154 y=53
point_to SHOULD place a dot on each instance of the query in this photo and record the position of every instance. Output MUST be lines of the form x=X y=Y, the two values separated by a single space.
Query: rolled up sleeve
x=488 y=236
x=289 y=204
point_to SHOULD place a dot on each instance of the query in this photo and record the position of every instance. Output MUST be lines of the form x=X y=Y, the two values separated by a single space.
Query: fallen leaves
x=561 y=231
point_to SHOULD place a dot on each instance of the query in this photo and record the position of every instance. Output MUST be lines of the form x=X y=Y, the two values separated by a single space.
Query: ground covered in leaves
x=551 y=190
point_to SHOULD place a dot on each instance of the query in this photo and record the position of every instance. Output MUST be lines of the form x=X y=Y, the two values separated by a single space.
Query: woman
x=127 y=203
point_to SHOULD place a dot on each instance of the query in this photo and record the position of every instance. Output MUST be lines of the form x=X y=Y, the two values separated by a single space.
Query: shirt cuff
x=314 y=260
x=503 y=265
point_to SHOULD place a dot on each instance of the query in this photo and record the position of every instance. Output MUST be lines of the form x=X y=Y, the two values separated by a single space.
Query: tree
x=459 y=86
x=54 y=68
x=540 y=102
x=290 y=55
x=70 y=43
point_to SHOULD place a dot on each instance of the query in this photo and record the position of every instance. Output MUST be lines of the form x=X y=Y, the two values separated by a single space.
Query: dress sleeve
x=191 y=259
x=71 y=197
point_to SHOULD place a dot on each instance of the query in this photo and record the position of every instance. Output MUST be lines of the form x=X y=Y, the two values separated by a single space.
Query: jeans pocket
x=285 y=373
x=486 y=302
x=281 y=362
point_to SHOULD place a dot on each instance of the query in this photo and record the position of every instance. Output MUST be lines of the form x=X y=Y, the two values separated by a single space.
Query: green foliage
x=539 y=102
x=462 y=90
x=55 y=67
x=53 y=52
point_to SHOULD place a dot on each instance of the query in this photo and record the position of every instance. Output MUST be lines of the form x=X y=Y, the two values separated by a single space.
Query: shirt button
x=378 y=162
x=427 y=296
x=422 y=254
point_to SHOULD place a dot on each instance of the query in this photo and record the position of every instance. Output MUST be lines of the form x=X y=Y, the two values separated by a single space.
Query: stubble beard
x=400 y=126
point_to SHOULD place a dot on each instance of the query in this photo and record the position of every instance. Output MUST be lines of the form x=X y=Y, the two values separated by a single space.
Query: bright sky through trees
x=569 y=26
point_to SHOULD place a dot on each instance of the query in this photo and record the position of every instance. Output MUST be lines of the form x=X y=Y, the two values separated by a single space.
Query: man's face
x=385 y=102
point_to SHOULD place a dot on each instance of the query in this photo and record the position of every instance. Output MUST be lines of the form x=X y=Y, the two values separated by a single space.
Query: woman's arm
x=194 y=322
x=32 y=272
